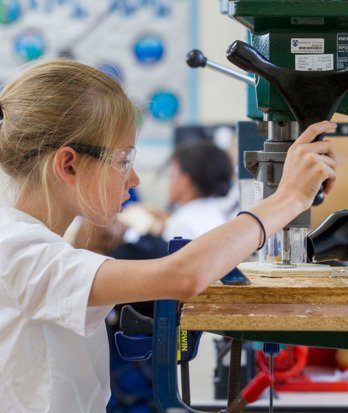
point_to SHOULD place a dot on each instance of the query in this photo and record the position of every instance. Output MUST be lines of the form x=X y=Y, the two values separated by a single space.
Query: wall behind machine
x=221 y=98
x=144 y=44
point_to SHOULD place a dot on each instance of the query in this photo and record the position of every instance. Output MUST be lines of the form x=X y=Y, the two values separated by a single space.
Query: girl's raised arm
x=189 y=271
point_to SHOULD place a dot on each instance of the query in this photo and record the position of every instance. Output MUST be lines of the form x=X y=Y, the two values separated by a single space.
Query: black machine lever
x=312 y=96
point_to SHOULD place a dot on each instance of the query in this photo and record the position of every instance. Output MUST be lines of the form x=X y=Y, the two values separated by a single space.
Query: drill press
x=299 y=54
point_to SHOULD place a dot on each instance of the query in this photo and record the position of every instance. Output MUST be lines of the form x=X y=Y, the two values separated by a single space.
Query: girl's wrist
x=290 y=199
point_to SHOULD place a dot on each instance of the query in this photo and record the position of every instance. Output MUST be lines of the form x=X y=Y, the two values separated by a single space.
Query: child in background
x=67 y=141
x=201 y=176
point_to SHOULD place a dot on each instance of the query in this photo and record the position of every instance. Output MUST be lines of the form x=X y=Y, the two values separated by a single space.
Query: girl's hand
x=308 y=165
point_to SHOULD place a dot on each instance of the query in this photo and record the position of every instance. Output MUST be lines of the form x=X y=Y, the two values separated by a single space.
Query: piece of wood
x=265 y=317
x=282 y=290
x=276 y=270
x=311 y=302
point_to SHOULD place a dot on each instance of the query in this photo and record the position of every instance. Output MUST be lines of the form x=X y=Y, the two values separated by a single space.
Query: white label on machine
x=342 y=50
x=258 y=192
x=314 y=62
x=307 y=45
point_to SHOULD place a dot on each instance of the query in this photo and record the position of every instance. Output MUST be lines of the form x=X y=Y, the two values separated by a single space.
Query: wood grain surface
x=307 y=301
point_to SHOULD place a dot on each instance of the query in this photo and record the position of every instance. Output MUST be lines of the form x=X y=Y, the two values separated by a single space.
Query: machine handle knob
x=319 y=198
x=195 y=58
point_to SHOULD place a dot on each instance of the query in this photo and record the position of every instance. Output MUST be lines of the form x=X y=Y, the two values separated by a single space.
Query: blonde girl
x=67 y=140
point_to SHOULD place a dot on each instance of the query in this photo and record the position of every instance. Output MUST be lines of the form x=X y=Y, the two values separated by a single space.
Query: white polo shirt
x=194 y=219
x=54 y=354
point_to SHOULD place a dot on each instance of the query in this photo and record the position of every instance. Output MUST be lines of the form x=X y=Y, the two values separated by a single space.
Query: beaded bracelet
x=261 y=225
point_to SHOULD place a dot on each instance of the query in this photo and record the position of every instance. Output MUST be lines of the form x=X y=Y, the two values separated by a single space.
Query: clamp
x=162 y=339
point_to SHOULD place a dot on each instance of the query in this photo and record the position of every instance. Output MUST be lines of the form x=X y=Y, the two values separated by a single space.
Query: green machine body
x=300 y=35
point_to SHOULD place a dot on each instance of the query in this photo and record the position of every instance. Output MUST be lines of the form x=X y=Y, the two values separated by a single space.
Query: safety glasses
x=121 y=160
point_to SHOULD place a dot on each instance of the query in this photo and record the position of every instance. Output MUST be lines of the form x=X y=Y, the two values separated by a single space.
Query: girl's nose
x=133 y=180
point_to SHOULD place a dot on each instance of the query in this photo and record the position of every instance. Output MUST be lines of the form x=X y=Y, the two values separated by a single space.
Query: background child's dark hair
x=209 y=167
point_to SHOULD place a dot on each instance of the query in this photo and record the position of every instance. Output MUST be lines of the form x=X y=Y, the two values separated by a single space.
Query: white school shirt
x=195 y=218
x=54 y=353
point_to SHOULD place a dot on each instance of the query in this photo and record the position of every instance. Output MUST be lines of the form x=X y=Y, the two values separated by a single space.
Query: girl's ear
x=65 y=165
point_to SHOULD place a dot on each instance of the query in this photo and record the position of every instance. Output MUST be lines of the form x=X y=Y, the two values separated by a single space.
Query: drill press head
x=300 y=59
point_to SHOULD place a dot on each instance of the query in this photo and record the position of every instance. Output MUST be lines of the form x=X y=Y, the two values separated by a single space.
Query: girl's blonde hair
x=55 y=103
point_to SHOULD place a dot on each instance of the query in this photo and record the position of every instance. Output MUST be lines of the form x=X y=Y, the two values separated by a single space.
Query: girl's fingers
x=328 y=185
x=321 y=148
x=329 y=161
x=314 y=130
x=330 y=180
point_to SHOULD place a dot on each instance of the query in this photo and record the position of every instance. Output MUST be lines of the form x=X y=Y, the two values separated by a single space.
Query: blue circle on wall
x=149 y=49
x=112 y=70
x=30 y=45
x=164 y=105
x=163 y=10
x=10 y=11
x=78 y=11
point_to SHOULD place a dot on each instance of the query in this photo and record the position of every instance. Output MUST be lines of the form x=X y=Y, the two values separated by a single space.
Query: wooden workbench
x=282 y=300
